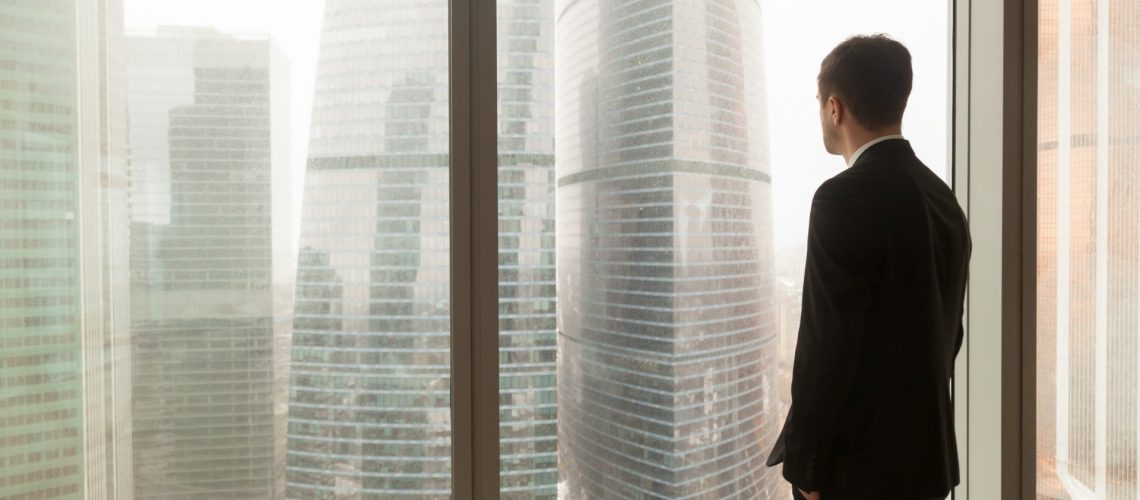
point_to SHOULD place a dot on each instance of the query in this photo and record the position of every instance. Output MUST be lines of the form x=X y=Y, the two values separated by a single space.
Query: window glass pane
x=1088 y=347
x=677 y=145
x=224 y=249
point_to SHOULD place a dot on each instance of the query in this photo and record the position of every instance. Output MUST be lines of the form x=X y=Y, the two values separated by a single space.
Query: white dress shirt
x=859 y=152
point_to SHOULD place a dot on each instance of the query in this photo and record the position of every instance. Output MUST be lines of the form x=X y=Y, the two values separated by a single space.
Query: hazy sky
x=797 y=34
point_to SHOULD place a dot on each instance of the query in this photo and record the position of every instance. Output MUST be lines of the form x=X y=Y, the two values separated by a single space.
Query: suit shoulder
x=850 y=186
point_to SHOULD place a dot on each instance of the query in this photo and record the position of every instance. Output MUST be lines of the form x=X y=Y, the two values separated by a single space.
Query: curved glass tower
x=666 y=334
x=369 y=413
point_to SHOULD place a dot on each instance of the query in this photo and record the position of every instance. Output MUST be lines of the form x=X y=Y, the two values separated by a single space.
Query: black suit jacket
x=871 y=415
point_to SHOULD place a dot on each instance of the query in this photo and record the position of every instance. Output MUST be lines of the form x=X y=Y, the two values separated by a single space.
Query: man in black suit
x=888 y=250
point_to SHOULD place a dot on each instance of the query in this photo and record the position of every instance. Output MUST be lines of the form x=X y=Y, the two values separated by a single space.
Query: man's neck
x=859 y=137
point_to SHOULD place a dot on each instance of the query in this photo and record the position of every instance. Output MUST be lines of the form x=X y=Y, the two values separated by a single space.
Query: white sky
x=797 y=35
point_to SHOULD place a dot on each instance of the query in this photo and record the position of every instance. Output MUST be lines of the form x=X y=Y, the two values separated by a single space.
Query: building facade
x=59 y=344
x=203 y=168
x=368 y=411
x=528 y=427
x=666 y=319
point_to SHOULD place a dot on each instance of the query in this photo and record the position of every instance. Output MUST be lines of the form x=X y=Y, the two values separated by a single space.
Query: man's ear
x=836 y=110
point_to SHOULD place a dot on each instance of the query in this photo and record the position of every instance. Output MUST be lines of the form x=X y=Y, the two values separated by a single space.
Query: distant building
x=205 y=161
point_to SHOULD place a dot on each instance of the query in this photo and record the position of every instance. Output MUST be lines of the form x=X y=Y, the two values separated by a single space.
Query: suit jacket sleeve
x=845 y=249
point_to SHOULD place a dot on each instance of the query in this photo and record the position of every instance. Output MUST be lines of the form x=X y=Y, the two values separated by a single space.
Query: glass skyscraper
x=59 y=234
x=666 y=321
x=528 y=417
x=41 y=362
x=203 y=171
x=369 y=413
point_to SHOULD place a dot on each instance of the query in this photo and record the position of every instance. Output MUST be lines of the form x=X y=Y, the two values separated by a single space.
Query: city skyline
x=209 y=381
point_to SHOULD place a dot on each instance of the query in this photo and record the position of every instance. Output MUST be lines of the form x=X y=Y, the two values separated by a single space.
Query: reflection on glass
x=369 y=399
x=1088 y=314
x=664 y=251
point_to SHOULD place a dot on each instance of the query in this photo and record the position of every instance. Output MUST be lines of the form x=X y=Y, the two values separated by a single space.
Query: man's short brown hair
x=872 y=76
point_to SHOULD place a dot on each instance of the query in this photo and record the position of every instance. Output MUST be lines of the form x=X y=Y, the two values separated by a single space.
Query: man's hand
x=810 y=496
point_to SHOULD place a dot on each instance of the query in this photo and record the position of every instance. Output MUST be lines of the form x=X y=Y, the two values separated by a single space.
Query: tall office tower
x=55 y=145
x=1088 y=277
x=666 y=338
x=369 y=411
x=528 y=427
x=204 y=165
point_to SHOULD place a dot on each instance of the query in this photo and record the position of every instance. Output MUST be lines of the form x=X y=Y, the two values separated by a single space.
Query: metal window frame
x=996 y=124
x=474 y=250
x=1019 y=255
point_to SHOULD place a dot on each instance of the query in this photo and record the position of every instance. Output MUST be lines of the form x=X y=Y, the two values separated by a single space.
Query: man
x=888 y=249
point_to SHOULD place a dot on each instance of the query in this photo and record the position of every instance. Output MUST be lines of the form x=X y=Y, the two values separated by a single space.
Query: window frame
x=996 y=124
x=474 y=249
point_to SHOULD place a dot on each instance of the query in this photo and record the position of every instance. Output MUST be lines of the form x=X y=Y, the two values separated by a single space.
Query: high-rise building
x=205 y=165
x=58 y=146
x=528 y=417
x=1088 y=276
x=369 y=413
x=666 y=338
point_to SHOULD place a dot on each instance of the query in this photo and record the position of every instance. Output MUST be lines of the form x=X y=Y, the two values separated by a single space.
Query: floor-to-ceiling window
x=226 y=239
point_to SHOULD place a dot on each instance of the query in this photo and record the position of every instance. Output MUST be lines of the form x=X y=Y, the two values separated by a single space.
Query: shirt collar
x=859 y=152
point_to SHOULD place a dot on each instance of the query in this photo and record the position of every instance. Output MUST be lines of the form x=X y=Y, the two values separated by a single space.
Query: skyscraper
x=1088 y=262
x=528 y=427
x=205 y=159
x=666 y=338
x=370 y=412
x=56 y=348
